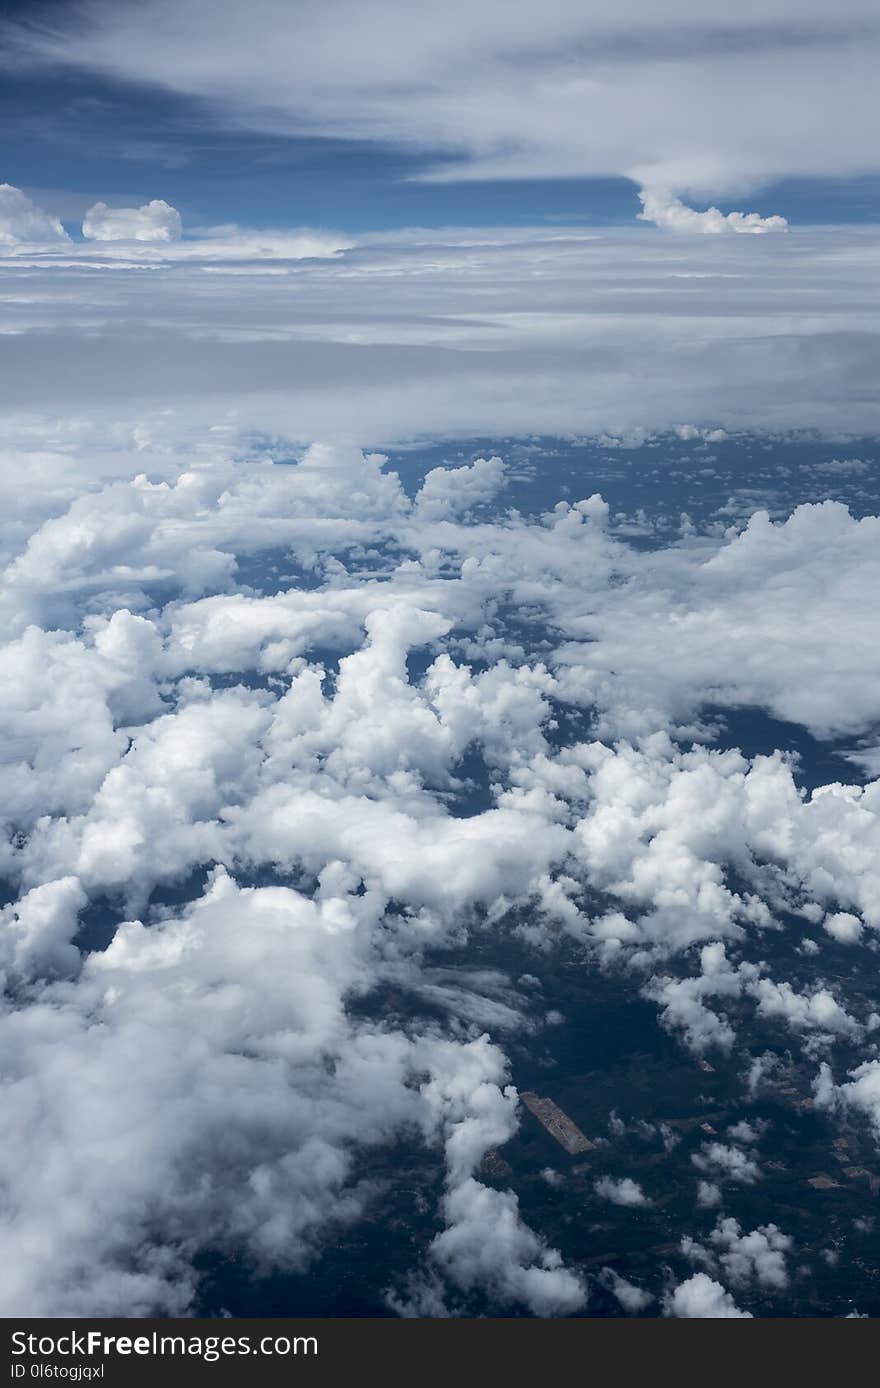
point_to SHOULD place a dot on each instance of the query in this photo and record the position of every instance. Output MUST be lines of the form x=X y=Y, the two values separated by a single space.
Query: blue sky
x=74 y=133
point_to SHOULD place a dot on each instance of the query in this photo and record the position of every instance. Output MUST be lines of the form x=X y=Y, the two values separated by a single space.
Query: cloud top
x=156 y=221
x=21 y=221
x=667 y=211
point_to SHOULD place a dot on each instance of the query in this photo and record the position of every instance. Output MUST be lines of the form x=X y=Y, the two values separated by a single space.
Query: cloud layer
x=271 y=752
x=496 y=90
x=307 y=335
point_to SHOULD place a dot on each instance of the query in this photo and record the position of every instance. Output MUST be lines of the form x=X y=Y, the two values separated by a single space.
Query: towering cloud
x=22 y=221
x=156 y=221
x=664 y=210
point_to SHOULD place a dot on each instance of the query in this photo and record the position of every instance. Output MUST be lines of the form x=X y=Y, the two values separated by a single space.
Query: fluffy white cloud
x=487 y=1245
x=200 y=1083
x=759 y=1256
x=665 y=210
x=155 y=221
x=861 y=1092
x=844 y=927
x=21 y=220
x=701 y=1297
x=449 y=492
x=818 y=1010
x=136 y=1098
x=166 y=719
x=721 y=1160
x=625 y=1191
x=36 y=933
x=734 y=625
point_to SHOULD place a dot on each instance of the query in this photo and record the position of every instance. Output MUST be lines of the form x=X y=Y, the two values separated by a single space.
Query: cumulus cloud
x=657 y=830
x=726 y=1160
x=625 y=1191
x=665 y=210
x=701 y=1297
x=860 y=1093
x=157 y=1117
x=171 y=783
x=224 y=673
x=844 y=927
x=759 y=1256
x=487 y=1245
x=159 y=1132
x=156 y=221
x=741 y=582
x=22 y=221
x=818 y=1010
x=447 y=492
x=37 y=931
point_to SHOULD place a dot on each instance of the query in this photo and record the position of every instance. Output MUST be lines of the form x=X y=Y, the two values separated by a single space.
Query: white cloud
x=844 y=927
x=665 y=210
x=860 y=1092
x=759 y=1256
x=700 y=1297
x=304 y=335
x=36 y=933
x=448 y=492
x=164 y=717
x=633 y=1299
x=156 y=221
x=190 y=1060
x=708 y=1195
x=744 y=1131
x=205 y=1083
x=625 y=1192
x=133 y=1102
x=500 y=92
x=485 y=1244
x=726 y=625
x=22 y=221
x=818 y=1010
x=725 y=1160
